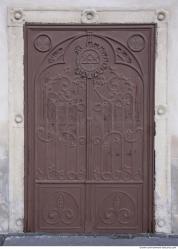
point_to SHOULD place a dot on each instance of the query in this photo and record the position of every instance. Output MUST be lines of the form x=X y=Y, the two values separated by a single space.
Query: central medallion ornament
x=89 y=60
x=92 y=59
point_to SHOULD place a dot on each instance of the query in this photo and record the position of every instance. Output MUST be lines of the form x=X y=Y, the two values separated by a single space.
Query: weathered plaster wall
x=173 y=110
x=170 y=5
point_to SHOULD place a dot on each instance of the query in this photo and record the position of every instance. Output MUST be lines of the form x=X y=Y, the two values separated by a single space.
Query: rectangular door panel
x=60 y=207
x=115 y=208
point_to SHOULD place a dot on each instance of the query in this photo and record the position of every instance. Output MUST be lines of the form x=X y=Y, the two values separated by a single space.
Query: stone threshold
x=48 y=239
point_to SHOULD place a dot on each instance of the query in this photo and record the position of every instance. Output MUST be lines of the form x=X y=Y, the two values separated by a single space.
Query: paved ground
x=76 y=240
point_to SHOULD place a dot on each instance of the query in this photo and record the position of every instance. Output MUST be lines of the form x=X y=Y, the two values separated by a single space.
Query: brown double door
x=89 y=128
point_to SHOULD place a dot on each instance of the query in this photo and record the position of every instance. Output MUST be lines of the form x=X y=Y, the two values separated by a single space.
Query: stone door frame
x=17 y=17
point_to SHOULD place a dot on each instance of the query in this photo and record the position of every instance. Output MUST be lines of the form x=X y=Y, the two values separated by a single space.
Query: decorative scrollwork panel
x=90 y=127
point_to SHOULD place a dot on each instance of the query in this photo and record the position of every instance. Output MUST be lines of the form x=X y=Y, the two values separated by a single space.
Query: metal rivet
x=160 y=222
x=161 y=15
x=18 y=15
x=161 y=110
x=18 y=118
x=19 y=222
x=89 y=15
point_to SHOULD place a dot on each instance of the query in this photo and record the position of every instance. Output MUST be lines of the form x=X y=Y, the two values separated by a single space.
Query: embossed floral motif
x=60 y=93
x=40 y=174
x=45 y=135
x=56 y=55
x=115 y=86
x=53 y=172
x=123 y=55
x=62 y=211
x=117 y=175
x=117 y=208
x=100 y=81
x=79 y=82
x=124 y=170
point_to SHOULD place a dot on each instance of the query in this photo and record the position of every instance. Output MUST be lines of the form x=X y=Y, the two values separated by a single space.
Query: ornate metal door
x=89 y=98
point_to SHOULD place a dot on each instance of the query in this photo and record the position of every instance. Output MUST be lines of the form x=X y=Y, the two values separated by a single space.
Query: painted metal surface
x=89 y=128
